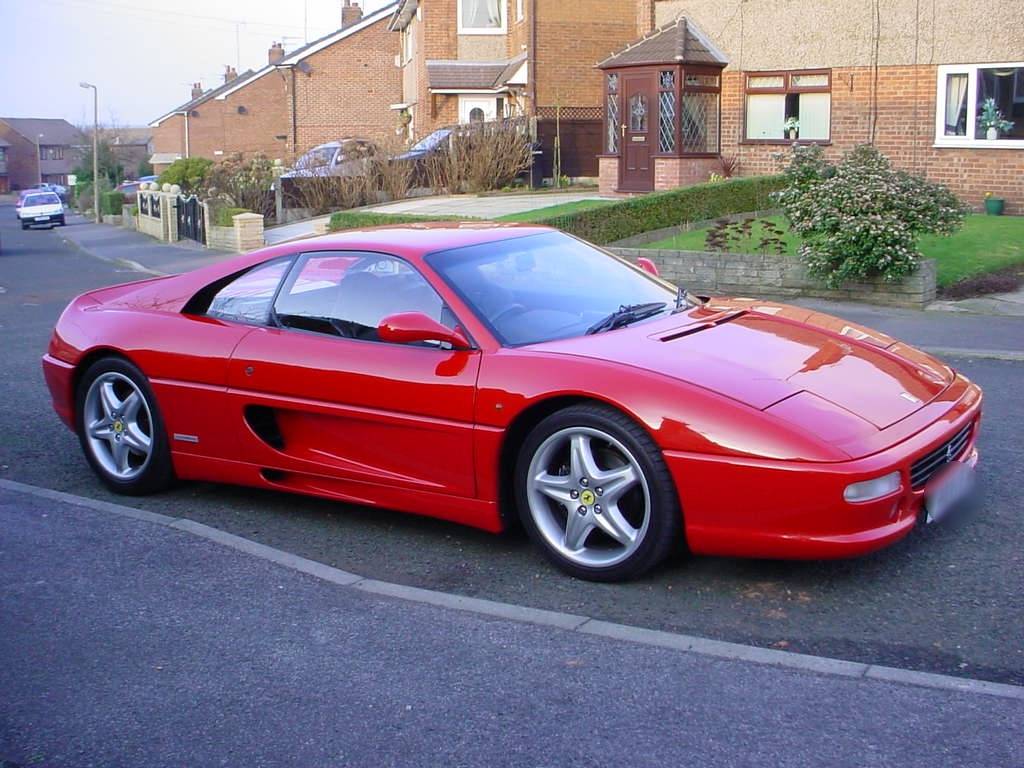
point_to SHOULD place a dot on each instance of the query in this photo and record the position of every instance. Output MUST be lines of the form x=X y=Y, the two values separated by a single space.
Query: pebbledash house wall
x=916 y=37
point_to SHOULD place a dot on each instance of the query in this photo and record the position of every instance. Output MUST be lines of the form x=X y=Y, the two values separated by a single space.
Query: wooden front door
x=636 y=169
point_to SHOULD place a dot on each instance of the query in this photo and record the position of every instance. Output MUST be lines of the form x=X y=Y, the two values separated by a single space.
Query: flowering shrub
x=862 y=218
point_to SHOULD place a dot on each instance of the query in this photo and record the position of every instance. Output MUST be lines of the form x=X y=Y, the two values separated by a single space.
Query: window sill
x=497 y=31
x=788 y=142
x=979 y=144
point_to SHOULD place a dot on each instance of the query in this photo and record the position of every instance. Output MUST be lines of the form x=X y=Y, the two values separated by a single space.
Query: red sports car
x=480 y=373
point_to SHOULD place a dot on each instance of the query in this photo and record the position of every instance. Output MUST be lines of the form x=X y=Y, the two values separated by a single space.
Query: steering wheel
x=507 y=310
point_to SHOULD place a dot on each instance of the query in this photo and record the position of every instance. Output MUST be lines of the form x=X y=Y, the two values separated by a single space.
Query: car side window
x=347 y=294
x=247 y=298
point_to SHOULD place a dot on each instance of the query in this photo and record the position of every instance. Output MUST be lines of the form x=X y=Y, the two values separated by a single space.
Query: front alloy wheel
x=121 y=430
x=593 y=490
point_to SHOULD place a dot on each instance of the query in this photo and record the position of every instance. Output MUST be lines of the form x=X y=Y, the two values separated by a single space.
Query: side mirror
x=648 y=266
x=409 y=327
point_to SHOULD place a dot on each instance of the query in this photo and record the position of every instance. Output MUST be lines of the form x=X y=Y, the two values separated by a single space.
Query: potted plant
x=992 y=120
x=994 y=205
x=792 y=126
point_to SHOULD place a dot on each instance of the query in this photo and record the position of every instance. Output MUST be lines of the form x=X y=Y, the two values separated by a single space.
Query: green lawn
x=985 y=244
x=564 y=209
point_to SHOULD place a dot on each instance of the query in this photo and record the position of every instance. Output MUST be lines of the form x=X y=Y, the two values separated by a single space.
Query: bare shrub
x=480 y=158
x=239 y=183
x=323 y=194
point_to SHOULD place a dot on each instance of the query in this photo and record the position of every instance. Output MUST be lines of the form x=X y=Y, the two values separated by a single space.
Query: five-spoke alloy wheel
x=120 y=428
x=593 y=490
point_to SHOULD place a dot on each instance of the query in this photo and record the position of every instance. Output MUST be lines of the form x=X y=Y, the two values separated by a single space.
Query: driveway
x=470 y=206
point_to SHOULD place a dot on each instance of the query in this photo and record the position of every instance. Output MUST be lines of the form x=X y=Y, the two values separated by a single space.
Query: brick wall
x=607 y=174
x=350 y=89
x=169 y=136
x=22 y=165
x=672 y=172
x=773 y=276
x=905 y=132
x=571 y=39
x=265 y=116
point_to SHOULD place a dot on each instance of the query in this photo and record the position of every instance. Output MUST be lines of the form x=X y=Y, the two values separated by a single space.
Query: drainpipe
x=533 y=57
x=294 y=100
x=187 y=153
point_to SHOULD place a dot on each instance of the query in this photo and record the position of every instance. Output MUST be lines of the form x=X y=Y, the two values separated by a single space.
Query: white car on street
x=41 y=208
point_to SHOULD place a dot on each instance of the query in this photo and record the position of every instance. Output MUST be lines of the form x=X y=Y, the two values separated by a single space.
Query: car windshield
x=47 y=199
x=317 y=158
x=548 y=286
x=432 y=140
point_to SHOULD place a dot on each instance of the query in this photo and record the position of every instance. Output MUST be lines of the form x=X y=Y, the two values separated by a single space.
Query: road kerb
x=564 y=621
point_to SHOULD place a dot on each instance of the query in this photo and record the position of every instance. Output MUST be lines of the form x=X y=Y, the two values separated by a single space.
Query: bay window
x=481 y=17
x=980 y=105
x=786 y=106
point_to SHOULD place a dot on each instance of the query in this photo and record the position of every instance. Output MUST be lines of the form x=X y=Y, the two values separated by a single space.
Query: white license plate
x=42 y=218
x=951 y=485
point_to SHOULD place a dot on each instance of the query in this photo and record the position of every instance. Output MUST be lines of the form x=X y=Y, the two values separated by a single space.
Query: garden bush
x=242 y=184
x=862 y=218
x=111 y=203
x=222 y=216
x=188 y=173
x=700 y=202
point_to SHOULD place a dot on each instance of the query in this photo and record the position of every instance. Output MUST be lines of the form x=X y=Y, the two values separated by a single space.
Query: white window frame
x=968 y=141
x=519 y=9
x=502 y=29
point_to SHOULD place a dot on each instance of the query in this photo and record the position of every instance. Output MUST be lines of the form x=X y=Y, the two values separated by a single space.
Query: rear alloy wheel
x=594 y=492
x=121 y=430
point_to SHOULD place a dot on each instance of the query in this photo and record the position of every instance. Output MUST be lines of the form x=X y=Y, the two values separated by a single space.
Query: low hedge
x=222 y=217
x=111 y=203
x=358 y=219
x=667 y=209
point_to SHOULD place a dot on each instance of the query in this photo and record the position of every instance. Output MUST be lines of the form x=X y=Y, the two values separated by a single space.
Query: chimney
x=197 y=90
x=275 y=54
x=229 y=73
x=350 y=13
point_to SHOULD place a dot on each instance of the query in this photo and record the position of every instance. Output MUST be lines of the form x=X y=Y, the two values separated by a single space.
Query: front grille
x=922 y=469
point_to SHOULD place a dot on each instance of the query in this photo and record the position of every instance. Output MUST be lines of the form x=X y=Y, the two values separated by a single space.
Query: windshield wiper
x=626 y=314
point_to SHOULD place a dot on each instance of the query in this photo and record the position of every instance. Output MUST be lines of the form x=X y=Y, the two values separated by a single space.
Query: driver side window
x=347 y=294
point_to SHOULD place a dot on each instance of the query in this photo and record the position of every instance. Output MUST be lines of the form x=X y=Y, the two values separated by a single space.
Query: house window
x=481 y=17
x=51 y=153
x=785 y=105
x=980 y=105
x=612 y=123
x=519 y=9
x=700 y=124
x=667 y=111
x=638 y=113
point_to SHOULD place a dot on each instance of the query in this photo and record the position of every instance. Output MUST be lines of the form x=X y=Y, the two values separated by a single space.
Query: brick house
x=466 y=60
x=38 y=149
x=910 y=75
x=338 y=86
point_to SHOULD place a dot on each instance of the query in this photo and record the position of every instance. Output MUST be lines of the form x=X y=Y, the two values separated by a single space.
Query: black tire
x=24 y=225
x=158 y=471
x=60 y=222
x=663 y=531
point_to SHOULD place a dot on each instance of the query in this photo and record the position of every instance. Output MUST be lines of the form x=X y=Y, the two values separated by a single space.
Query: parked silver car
x=345 y=157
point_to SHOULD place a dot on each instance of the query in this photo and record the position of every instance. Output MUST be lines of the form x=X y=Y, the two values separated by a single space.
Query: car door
x=321 y=397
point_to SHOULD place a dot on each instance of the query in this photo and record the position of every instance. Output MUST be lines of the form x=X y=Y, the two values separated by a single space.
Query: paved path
x=1009 y=304
x=471 y=206
x=130 y=643
x=135 y=250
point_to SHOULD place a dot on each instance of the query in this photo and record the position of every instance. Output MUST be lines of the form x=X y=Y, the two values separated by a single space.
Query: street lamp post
x=39 y=157
x=95 y=150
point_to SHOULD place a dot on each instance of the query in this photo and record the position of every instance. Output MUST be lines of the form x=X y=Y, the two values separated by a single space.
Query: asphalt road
x=948 y=599
x=130 y=644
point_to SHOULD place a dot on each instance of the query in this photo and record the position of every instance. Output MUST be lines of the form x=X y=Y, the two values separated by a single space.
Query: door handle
x=623 y=127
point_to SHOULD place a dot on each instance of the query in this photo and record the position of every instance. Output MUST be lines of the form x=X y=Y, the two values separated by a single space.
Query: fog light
x=867 y=490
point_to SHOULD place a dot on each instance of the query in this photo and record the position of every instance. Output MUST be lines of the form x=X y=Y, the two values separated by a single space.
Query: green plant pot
x=994 y=206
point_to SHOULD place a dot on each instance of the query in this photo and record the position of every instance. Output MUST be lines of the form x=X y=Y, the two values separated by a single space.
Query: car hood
x=836 y=379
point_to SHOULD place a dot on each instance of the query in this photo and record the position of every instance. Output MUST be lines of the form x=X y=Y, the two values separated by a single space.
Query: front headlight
x=876 y=488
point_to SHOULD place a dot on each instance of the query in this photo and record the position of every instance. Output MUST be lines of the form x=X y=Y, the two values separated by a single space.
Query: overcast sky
x=143 y=54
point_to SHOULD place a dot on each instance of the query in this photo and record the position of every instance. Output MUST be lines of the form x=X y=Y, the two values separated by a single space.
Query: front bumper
x=795 y=510
x=60 y=377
